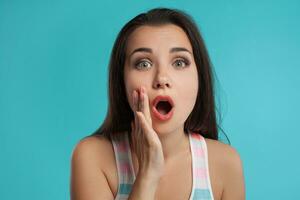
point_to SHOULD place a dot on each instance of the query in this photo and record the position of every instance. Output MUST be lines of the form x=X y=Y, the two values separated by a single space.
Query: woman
x=160 y=137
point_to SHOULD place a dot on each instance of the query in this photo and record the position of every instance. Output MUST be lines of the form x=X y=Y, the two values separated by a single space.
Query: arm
x=88 y=182
x=147 y=146
x=144 y=188
x=234 y=188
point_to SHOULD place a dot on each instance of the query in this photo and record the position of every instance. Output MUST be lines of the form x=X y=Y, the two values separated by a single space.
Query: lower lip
x=160 y=116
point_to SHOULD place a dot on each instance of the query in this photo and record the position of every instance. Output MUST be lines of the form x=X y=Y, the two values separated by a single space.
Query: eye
x=142 y=64
x=181 y=63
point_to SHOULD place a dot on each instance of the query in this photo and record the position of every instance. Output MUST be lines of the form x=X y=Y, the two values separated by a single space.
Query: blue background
x=53 y=86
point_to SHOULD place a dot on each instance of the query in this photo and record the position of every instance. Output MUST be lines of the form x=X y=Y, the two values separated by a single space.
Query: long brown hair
x=202 y=119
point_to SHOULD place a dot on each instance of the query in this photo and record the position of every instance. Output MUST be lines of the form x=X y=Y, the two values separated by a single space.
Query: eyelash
x=186 y=62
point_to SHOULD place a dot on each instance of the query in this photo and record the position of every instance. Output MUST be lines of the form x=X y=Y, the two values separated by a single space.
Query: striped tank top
x=201 y=188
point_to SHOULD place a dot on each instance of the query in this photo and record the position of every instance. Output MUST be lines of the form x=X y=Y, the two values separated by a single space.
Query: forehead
x=158 y=37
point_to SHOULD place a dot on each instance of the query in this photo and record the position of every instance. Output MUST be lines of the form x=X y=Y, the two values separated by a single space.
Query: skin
x=164 y=69
x=162 y=72
x=163 y=144
x=159 y=145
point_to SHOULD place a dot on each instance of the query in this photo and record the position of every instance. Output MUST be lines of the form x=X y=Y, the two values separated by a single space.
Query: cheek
x=188 y=83
x=193 y=92
x=129 y=87
x=133 y=81
x=188 y=94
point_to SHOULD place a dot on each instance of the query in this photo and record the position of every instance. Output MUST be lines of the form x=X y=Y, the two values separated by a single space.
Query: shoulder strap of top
x=201 y=180
x=123 y=158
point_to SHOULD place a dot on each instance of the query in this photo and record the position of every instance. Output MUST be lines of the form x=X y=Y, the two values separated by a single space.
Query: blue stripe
x=201 y=194
x=125 y=188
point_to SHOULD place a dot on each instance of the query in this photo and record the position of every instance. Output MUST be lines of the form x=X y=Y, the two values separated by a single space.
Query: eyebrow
x=148 y=50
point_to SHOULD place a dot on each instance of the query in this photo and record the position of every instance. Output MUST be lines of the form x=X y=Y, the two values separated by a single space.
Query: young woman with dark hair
x=159 y=139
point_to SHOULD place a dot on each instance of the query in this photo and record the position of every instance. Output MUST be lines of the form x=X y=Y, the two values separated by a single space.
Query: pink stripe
x=124 y=167
x=200 y=172
x=197 y=136
x=122 y=147
x=199 y=151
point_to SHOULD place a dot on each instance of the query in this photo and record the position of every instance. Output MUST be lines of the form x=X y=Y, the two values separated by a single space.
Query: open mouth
x=163 y=107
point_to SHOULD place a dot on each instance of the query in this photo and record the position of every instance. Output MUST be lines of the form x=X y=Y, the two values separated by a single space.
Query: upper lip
x=162 y=98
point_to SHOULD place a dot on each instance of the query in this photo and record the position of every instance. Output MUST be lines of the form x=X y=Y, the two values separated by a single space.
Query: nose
x=161 y=81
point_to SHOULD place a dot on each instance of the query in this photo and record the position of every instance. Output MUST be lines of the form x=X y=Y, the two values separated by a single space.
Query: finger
x=146 y=129
x=135 y=100
x=135 y=122
x=136 y=95
x=140 y=140
x=135 y=108
x=139 y=134
x=141 y=108
x=146 y=105
x=132 y=135
x=141 y=100
x=137 y=128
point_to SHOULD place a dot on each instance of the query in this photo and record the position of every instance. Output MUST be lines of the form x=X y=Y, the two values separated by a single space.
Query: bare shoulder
x=88 y=179
x=91 y=148
x=230 y=168
x=92 y=142
x=223 y=152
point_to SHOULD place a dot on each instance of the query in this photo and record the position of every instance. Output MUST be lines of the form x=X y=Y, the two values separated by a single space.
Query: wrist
x=149 y=175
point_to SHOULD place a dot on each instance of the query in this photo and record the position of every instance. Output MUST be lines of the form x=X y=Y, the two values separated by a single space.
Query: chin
x=163 y=128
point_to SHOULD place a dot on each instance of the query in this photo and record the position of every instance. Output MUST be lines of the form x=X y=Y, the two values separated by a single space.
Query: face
x=165 y=67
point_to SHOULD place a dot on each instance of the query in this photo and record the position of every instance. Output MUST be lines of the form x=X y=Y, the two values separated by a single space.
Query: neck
x=174 y=144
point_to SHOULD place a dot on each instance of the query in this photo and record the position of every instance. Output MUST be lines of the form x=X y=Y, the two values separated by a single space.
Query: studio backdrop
x=53 y=86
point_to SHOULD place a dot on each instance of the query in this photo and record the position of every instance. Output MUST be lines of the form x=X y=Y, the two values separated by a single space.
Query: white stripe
x=193 y=173
x=207 y=169
x=118 y=168
x=130 y=158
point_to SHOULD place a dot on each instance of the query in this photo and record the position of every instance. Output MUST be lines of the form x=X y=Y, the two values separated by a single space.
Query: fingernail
x=142 y=89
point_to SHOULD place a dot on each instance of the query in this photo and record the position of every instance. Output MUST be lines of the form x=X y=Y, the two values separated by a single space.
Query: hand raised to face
x=145 y=141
